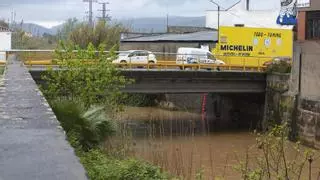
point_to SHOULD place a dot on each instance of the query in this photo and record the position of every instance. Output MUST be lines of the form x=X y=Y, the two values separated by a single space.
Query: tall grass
x=1 y=70
x=178 y=146
x=87 y=130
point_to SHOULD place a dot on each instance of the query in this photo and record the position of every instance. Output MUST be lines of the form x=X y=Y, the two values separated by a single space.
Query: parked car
x=196 y=56
x=136 y=56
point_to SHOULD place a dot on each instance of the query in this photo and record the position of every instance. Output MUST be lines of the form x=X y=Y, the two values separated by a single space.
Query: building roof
x=207 y=36
x=4 y=29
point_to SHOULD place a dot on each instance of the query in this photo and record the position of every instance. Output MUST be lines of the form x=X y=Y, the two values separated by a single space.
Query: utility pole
x=90 y=10
x=104 y=10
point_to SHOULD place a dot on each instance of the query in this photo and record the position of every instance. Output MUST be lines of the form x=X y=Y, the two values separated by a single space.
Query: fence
x=154 y=60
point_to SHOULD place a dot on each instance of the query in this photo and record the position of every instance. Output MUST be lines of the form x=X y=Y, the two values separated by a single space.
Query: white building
x=242 y=14
x=5 y=43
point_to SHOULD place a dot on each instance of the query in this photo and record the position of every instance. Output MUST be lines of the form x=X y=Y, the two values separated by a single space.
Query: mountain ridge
x=144 y=25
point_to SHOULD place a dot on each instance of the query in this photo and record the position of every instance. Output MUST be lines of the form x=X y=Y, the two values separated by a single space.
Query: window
x=313 y=25
x=143 y=53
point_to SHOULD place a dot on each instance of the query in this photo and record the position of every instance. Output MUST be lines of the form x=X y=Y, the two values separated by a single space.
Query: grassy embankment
x=88 y=132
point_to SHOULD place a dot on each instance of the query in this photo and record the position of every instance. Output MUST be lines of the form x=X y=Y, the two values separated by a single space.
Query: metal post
x=300 y=73
x=218 y=23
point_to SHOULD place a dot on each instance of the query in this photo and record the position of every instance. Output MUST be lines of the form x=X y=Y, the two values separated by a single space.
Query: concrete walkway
x=32 y=143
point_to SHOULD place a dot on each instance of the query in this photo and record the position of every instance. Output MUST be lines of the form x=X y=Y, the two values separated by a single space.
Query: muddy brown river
x=191 y=154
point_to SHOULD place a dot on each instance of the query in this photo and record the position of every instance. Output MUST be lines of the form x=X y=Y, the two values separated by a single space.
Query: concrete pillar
x=301 y=26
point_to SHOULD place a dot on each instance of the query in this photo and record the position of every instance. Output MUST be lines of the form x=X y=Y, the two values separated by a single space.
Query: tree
x=102 y=33
x=67 y=28
x=3 y=23
x=87 y=76
x=82 y=34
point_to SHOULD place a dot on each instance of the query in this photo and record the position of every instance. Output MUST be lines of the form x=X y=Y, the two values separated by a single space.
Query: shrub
x=85 y=128
x=1 y=70
x=100 y=167
x=139 y=100
x=279 y=67
x=274 y=160
x=87 y=76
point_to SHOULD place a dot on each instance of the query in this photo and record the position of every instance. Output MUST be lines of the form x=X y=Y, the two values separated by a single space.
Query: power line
x=104 y=10
x=233 y=14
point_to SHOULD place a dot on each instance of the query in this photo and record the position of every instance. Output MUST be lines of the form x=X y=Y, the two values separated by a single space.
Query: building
x=167 y=44
x=5 y=42
x=307 y=50
x=242 y=14
x=309 y=21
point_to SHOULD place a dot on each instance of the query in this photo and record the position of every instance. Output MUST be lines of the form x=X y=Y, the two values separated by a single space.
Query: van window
x=133 y=54
x=143 y=53
x=211 y=56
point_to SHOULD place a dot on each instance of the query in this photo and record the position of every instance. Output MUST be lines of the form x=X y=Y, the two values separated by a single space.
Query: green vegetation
x=94 y=83
x=1 y=70
x=140 y=100
x=24 y=40
x=273 y=160
x=84 y=97
x=279 y=67
x=101 y=33
x=74 y=32
x=87 y=130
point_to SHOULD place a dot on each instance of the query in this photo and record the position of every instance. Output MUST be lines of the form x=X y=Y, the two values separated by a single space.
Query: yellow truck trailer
x=253 y=46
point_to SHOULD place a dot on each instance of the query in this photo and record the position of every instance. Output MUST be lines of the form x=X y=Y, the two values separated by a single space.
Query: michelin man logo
x=288 y=13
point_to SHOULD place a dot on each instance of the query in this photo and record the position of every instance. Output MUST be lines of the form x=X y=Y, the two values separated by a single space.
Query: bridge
x=167 y=76
x=176 y=81
x=28 y=124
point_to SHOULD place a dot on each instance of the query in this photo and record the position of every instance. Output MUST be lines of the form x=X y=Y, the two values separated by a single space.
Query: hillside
x=36 y=30
x=137 y=25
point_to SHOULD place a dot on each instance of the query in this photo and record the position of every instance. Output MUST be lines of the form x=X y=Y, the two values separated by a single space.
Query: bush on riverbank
x=86 y=131
x=279 y=67
x=274 y=160
x=139 y=100
x=102 y=167
x=1 y=70
x=88 y=128
x=84 y=96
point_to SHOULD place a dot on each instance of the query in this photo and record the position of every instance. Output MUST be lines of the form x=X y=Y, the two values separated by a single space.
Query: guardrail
x=165 y=61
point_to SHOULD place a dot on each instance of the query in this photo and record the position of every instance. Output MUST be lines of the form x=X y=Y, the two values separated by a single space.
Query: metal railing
x=164 y=61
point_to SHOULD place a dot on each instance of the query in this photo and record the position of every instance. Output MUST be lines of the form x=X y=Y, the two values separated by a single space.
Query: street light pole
x=218 y=22
x=218 y=17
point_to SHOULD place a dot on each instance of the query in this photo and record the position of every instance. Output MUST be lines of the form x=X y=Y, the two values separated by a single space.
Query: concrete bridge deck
x=177 y=81
x=32 y=143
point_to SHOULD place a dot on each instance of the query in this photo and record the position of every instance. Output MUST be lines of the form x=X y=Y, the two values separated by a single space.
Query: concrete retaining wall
x=309 y=122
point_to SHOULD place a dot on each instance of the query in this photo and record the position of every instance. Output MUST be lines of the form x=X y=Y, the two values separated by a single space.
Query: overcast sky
x=53 y=12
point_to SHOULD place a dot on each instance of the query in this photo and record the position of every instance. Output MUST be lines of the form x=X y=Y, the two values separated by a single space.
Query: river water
x=190 y=153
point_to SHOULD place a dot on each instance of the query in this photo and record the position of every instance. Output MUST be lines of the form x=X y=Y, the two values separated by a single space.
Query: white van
x=196 y=56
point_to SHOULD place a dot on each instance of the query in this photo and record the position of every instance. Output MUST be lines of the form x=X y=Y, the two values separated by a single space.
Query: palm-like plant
x=85 y=128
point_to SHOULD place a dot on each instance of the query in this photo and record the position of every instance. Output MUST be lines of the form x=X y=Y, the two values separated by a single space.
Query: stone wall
x=279 y=103
x=309 y=122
